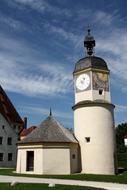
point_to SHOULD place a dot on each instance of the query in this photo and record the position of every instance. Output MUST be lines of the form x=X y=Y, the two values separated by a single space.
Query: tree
x=121 y=131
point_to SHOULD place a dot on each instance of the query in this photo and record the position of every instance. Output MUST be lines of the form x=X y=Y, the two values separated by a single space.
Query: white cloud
x=66 y=35
x=108 y=19
x=44 y=6
x=105 y=18
x=33 y=109
x=13 y=23
x=121 y=108
x=16 y=74
x=114 y=47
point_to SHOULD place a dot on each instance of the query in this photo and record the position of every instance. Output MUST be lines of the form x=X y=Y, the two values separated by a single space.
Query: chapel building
x=48 y=149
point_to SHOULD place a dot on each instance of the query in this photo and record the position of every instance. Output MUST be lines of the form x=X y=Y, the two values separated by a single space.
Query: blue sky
x=40 y=42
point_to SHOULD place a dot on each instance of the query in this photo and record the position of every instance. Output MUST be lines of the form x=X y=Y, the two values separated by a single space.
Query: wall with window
x=47 y=158
x=95 y=133
x=75 y=158
x=22 y=159
x=8 y=140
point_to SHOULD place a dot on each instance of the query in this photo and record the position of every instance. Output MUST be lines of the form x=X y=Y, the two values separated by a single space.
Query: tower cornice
x=91 y=69
x=92 y=103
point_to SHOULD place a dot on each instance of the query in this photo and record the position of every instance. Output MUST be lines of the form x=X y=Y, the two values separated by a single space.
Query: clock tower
x=94 y=113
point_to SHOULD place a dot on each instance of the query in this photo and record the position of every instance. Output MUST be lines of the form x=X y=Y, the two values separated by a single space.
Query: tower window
x=9 y=156
x=101 y=91
x=1 y=140
x=73 y=156
x=9 y=141
x=1 y=156
x=87 y=139
x=14 y=126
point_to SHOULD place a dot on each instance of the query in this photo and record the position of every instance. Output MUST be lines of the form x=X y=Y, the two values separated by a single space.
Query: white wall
x=75 y=161
x=96 y=122
x=56 y=160
x=22 y=159
x=125 y=141
x=8 y=131
x=49 y=158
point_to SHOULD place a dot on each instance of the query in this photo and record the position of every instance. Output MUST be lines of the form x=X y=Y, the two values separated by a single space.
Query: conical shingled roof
x=50 y=130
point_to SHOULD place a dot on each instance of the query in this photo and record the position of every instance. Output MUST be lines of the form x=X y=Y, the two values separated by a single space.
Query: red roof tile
x=8 y=110
x=27 y=131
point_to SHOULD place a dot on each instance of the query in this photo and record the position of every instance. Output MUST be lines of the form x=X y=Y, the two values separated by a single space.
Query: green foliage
x=7 y=186
x=121 y=131
x=122 y=160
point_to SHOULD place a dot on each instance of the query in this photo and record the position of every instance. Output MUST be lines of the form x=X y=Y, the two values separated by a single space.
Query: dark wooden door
x=30 y=161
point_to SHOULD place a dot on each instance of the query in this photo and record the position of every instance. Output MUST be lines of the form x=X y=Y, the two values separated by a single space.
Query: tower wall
x=92 y=95
x=95 y=122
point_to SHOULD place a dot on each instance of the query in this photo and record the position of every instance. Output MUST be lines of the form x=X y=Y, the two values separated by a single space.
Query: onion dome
x=91 y=62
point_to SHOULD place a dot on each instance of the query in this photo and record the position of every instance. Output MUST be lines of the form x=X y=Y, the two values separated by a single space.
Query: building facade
x=48 y=149
x=10 y=126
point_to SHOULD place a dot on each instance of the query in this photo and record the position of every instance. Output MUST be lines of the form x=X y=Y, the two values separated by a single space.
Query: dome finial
x=50 y=113
x=89 y=43
x=88 y=30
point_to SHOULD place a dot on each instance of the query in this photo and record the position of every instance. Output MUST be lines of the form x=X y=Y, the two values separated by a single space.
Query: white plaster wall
x=48 y=159
x=125 y=141
x=22 y=159
x=18 y=163
x=105 y=96
x=38 y=162
x=96 y=122
x=74 y=161
x=8 y=131
x=92 y=95
x=84 y=95
x=56 y=160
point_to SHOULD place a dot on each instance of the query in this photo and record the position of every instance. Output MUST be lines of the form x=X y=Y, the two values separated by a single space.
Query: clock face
x=83 y=81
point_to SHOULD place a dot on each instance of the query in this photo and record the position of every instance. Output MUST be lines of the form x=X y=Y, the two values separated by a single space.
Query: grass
x=7 y=186
x=121 y=178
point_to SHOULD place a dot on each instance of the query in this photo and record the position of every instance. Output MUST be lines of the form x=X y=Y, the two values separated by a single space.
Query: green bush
x=122 y=160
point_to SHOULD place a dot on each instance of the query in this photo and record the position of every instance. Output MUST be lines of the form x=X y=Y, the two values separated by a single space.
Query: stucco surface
x=97 y=123
x=49 y=158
